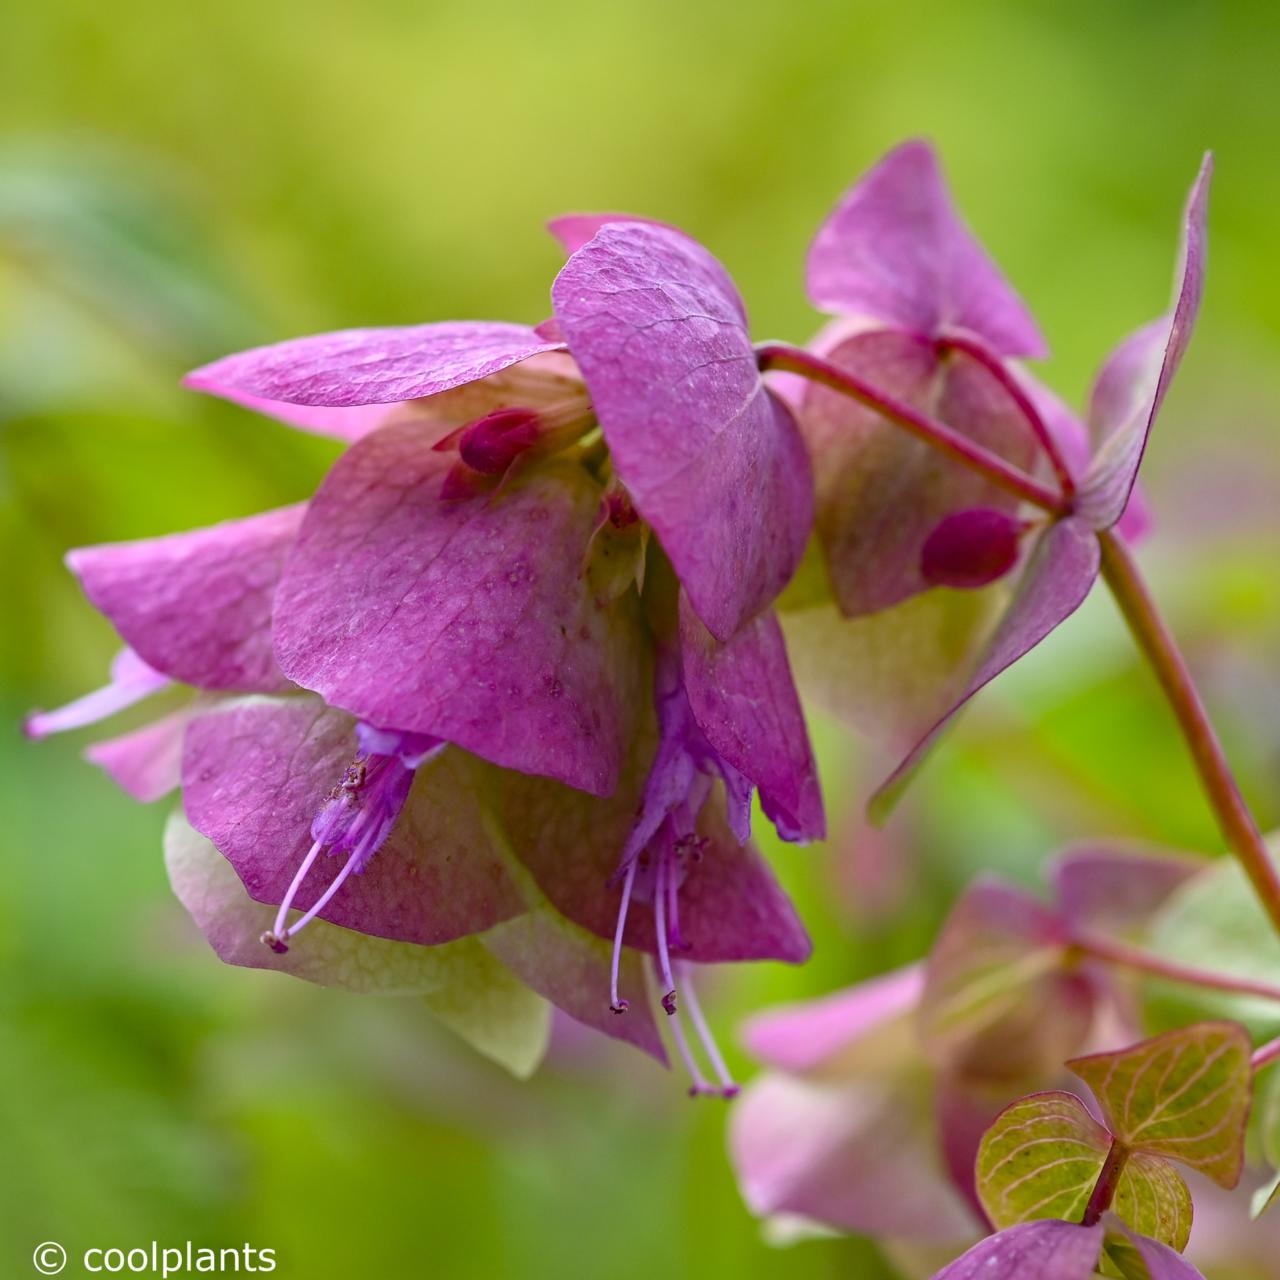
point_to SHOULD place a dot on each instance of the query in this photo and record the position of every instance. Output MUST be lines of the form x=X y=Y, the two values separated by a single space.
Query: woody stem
x=1157 y=645
x=937 y=434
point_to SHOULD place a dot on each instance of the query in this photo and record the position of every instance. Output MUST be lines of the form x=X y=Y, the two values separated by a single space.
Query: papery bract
x=1133 y=383
x=197 y=605
x=465 y=620
x=1045 y=1250
x=334 y=377
x=712 y=459
x=906 y=295
x=1060 y=572
x=456 y=979
x=896 y=251
x=841 y=1132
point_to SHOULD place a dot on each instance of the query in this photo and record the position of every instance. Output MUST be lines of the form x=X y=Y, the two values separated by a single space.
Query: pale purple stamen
x=275 y=938
x=660 y=931
x=673 y=913
x=616 y=1003
x=131 y=681
x=728 y=1087
x=357 y=817
x=700 y=1084
x=354 y=863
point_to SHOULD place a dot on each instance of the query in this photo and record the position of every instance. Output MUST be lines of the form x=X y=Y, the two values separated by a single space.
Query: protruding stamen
x=131 y=681
x=699 y=1084
x=357 y=816
x=277 y=934
x=661 y=875
x=728 y=1087
x=673 y=913
x=353 y=862
x=616 y=1003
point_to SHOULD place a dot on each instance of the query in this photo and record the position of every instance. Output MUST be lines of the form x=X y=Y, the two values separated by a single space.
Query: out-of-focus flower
x=870 y=1114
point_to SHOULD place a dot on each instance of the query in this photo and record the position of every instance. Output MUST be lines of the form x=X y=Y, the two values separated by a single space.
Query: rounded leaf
x=1184 y=1095
x=1042 y=1157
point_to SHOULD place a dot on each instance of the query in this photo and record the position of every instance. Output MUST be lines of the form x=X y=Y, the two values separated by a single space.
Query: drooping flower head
x=469 y=583
x=926 y=317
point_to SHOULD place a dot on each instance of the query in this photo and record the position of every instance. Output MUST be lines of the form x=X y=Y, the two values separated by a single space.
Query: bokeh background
x=181 y=180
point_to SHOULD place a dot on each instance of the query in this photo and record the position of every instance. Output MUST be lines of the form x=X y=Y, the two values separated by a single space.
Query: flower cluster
x=512 y=674
x=490 y=714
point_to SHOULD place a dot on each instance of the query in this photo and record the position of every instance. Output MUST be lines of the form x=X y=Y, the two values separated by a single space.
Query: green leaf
x=1265 y=1196
x=1268 y=1117
x=1214 y=922
x=462 y=982
x=1184 y=1095
x=1042 y=1156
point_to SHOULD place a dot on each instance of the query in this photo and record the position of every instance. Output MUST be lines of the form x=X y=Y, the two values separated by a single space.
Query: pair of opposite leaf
x=474 y=577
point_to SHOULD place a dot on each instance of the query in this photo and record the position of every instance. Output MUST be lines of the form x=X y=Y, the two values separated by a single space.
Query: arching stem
x=937 y=434
x=1265 y=1055
x=1158 y=646
x=1127 y=957
x=999 y=370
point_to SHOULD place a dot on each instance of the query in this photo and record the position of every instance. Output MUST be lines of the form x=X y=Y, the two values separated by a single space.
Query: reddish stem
x=937 y=434
x=1120 y=953
x=1104 y=1190
x=1157 y=644
x=1265 y=1055
x=997 y=368
x=1122 y=576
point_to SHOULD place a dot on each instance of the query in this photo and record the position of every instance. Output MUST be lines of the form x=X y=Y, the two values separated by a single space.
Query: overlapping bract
x=926 y=317
x=491 y=606
x=573 y=716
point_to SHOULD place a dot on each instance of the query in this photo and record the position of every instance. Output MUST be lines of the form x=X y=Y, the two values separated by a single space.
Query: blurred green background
x=181 y=180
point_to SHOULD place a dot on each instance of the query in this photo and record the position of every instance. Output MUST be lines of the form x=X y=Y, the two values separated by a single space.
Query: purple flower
x=194 y=609
x=932 y=323
x=1052 y=1250
x=905 y=276
x=473 y=597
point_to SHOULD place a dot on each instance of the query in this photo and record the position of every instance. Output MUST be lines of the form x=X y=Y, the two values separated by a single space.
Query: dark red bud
x=490 y=444
x=971 y=548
